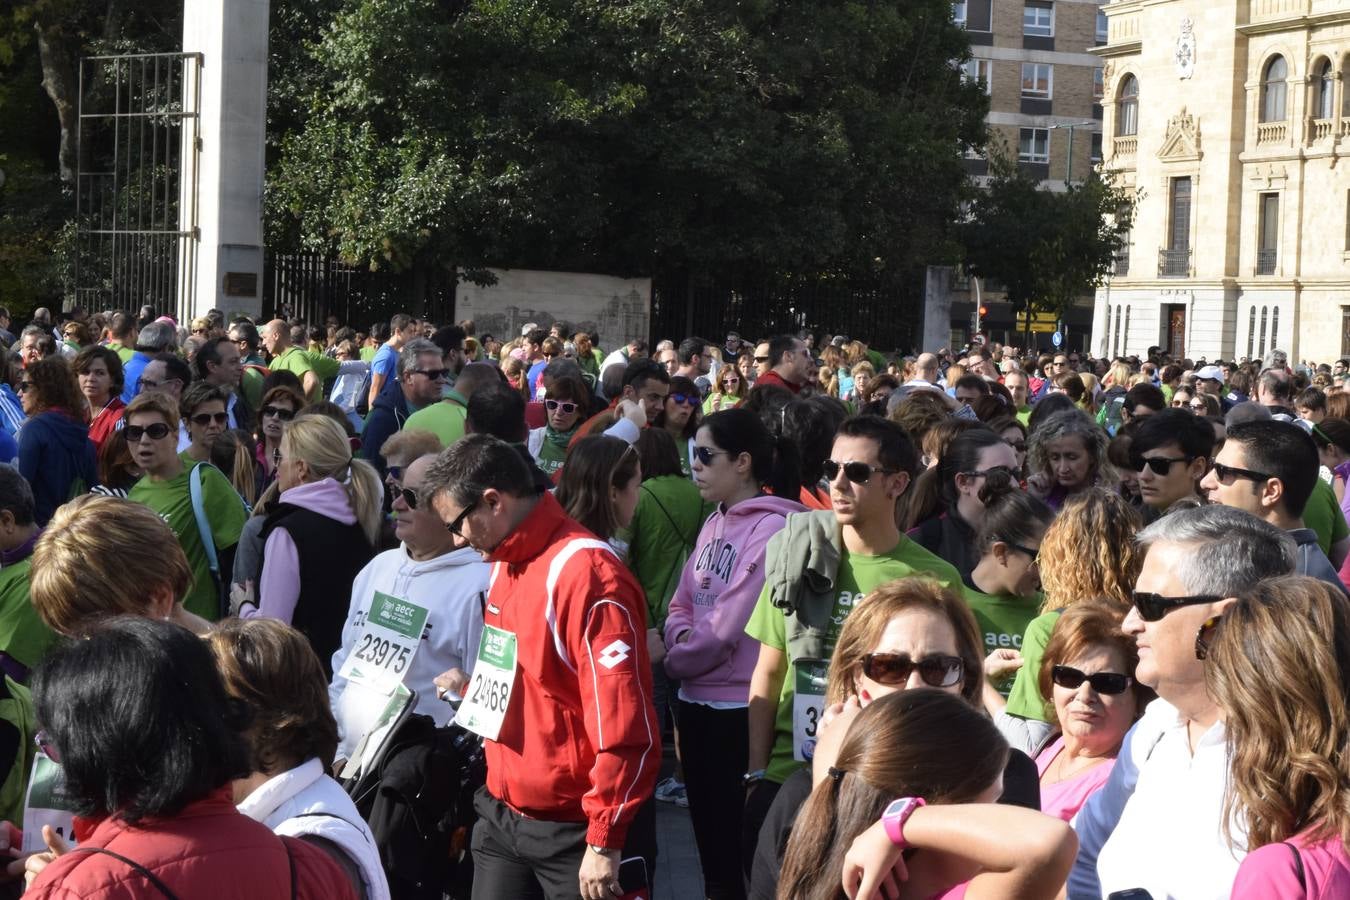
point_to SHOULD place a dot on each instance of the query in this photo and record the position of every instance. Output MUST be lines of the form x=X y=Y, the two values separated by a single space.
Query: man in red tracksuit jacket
x=576 y=750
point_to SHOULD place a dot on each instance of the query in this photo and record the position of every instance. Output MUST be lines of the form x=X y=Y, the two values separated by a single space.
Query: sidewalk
x=677 y=873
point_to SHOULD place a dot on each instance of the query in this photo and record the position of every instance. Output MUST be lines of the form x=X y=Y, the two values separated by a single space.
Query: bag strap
x=199 y=511
x=144 y=872
x=1298 y=866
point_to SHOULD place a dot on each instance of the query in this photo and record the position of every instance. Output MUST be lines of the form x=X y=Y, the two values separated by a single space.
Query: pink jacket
x=279 y=584
x=717 y=592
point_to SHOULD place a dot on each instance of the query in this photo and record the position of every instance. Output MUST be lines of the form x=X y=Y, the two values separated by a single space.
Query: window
x=1101 y=27
x=977 y=70
x=959 y=12
x=1274 y=327
x=1038 y=19
x=1261 y=345
x=1324 y=88
x=1033 y=145
x=1036 y=80
x=1096 y=146
x=1251 y=333
x=1127 y=107
x=976 y=14
x=1269 y=238
x=1273 y=90
x=1098 y=84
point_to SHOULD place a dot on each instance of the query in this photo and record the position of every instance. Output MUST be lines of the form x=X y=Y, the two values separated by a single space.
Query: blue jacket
x=57 y=458
x=131 y=374
x=387 y=416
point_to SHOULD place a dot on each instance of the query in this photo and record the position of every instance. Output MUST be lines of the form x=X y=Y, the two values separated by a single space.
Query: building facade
x=1230 y=119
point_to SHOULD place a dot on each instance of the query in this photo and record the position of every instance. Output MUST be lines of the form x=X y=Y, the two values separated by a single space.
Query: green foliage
x=1047 y=248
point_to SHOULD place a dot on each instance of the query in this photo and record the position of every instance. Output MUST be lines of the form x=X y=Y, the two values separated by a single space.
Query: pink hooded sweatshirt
x=279 y=583
x=718 y=590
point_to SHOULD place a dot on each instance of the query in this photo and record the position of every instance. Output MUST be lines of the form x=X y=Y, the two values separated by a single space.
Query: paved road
x=677 y=872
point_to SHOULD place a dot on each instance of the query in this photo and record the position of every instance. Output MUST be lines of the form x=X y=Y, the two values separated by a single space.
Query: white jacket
x=452 y=588
x=305 y=801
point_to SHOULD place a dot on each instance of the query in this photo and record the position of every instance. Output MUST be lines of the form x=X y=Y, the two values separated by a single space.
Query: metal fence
x=312 y=288
x=138 y=115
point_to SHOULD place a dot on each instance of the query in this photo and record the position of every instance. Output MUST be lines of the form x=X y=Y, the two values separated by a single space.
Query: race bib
x=494 y=679
x=388 y=643
x=807 y=705
x=45 y=804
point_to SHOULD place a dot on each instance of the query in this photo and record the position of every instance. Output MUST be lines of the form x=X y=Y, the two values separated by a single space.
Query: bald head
x=926 y=367
x=276 y=337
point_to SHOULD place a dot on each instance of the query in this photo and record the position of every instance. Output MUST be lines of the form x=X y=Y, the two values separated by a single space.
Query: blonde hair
x=104 y=556
x=1118 y=374
x=1089 y=551
x=153 y=402
x=407 y=445
x=324 y=447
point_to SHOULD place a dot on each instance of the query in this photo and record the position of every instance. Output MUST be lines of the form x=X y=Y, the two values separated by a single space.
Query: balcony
x=1265 y=262
x=1321 y=129
x=1275 y=10
x=1124 y=146
x=1272 y=133
x=1122 y=264
x=1174 y=263
x=1345 y=127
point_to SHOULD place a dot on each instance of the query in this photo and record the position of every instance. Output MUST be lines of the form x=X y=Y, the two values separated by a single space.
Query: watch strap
x=895 y=817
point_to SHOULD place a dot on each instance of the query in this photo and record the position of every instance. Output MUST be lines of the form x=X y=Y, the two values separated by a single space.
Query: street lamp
x=1068 y=162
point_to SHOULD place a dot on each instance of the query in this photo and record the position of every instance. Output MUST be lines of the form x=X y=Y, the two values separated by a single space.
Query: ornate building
x=1230 y=119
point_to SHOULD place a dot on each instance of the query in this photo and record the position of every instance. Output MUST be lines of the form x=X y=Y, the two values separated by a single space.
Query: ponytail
x=1011 y=515
x=365 y=491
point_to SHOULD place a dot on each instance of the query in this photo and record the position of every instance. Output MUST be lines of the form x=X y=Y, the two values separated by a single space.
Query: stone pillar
x=937 y=308
x=226 y=168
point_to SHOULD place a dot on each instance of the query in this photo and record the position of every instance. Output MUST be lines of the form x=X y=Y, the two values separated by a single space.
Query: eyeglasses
x=433 y=374
x=705 y=455
x=44 y=744
x=761 y=359
x=410 y=497
x=207 y=418
x=279 y=412
x=1205 y=636
x=1199 y=405
x=991 y=472
x=1227 y=474
x=1160 y=465
x=1109 y=683
x=1019 y=446
x=157 y=432
x=895 y=668
x=24 y=386
x=155 y=385
x=854 y=471
x=458 y=523
x=395 y=474
x=1153 y=607
x=566 y=406
x=730 y=379
x=1034 y=554
x=683 y=399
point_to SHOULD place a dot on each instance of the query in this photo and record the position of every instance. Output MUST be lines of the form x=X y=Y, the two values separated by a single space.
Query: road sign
x=1057 y=338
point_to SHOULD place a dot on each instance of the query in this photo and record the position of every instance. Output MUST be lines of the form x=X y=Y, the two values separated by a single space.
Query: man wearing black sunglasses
x=816 y=570
x=1170 y=451
x=420 y=380
x=1157 y=824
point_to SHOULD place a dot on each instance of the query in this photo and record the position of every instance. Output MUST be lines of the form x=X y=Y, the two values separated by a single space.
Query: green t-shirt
x=23 y=634
x=367 y=354
x=1025 y=700
x=225 y=513
x=123 y=353
x=858 y=576
x=1323 y=515
x=301 y=361
x=444 y=419
x=1002 y=619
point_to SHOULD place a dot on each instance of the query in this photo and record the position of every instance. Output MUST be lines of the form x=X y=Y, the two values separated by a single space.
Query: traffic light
x=984 y=311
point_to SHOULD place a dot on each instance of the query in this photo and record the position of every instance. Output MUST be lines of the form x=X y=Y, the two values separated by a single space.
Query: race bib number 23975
x=386 y=645
x=489 y=692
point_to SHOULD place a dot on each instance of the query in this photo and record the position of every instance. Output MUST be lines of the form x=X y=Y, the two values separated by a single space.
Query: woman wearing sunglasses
x=55 y=453
x=729 y=389
x=1087 y=671
x=203 y=408
x=908 y=634
x=565 y=408
x=681 y=417
x=1276 y=664
x=279 y=406
x=735 y=459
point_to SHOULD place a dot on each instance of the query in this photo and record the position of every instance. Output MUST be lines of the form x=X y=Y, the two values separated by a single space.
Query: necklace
x=1083 y=764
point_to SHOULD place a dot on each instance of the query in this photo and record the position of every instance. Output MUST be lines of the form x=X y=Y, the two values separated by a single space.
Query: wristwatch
x=895 y=817
x=750 y=778
x=602 y=851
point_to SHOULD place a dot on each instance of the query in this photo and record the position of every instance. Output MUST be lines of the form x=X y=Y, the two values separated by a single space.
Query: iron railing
x=1265 y=262
x=1174 y=263
x=312 y=288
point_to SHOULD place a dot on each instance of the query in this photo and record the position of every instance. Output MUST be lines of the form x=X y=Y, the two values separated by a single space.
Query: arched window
x=1115 y=331
x=1261 y=347
x=1274 y=327
x=1124 y=347
x=1251 y=333
x=1323 y=91
x=1127 y=107
x=1273 y=90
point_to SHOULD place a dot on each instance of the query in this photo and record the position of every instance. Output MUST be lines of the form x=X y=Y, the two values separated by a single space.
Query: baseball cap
x=1210 y=373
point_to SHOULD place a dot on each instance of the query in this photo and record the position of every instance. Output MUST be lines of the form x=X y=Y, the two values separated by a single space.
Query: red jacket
x=209 y=851
x=580 y=741
x=773 y=378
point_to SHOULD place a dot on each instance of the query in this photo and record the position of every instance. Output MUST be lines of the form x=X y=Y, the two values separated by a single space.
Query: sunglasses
x=44 y=744
x=1153 y=607
x=156 y=385
x=395 y=473
x=281 y=413
x=992 y=472
x=1019 y=446
x=684 y=399
x=458 y=523
x=208 y=418
x=433 y=374
x=1227 y=474
x=410 y=497
x=565 y=405
x=1160 y=465
x=854 y=471
x=1205 y=636
x=895 y=668
x=1108 y=683
x=761 y=359
x=705 y=455
x=24 y=386
x=157 y=432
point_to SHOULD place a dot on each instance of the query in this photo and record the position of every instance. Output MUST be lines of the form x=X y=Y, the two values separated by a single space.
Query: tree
x=670 y=135
x=1046 y=248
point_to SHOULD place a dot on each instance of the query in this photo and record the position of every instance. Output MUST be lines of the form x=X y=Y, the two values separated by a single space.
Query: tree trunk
x=60 y=54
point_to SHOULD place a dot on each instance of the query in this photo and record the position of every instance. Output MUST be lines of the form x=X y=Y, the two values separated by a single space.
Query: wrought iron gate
x=136 y=193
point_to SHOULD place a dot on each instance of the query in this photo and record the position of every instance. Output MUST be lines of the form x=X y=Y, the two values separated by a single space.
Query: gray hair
x=157 y=337
x=16 y=495
x=1070 y=423
x=1234 y=549
x=407 y=357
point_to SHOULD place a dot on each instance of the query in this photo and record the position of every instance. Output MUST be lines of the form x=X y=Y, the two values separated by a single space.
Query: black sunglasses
x=433 y=374
x=1153 y=607
x=566 y=406
x=705 y=455
x=854 y=471
x=895 y=668
x=208 y=418
x=410 y=497
x=396 y=473
x=1109 y=683
x=284 y=415
x=1160 y=465
x=458 y=523
x=158 y=432
x=761 y=359
x=1227 y=474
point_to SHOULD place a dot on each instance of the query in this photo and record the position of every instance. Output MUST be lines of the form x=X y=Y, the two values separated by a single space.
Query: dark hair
x=1046 y=407
x=810 y=426
x=1332 y=431
x=197 y=393
x=1312 y=398
x=121 y=324
x=1011 y=516
x=55 y=385
x=972 y=381
x=963 y=455
x=16 y=495
x=233 y=454
x=498 y=410
x=473 y=464
x=1145 y=394
x=159 y=735
x=116 y=468
x=773 y=459
x=781 y=345
x=1193 y=434
x=681 y=385
x=208 y=352
x=640 y=370
x=691 y=347
x=174 y=367
x=613 y=379
x=282 y=378
x=594 y=465
x=448 y=337
x=574 y=389
x=1281 y=450
x=85 y=359
x=659 y=456
x=895 y=450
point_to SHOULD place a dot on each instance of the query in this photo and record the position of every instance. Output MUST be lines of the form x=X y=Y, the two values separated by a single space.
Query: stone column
x=937 y=309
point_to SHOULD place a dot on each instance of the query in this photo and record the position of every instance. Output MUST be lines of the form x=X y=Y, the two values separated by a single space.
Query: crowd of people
x=303 y=611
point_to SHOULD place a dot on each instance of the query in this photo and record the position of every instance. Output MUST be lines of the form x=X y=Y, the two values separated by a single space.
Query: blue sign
x=1057 y=338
